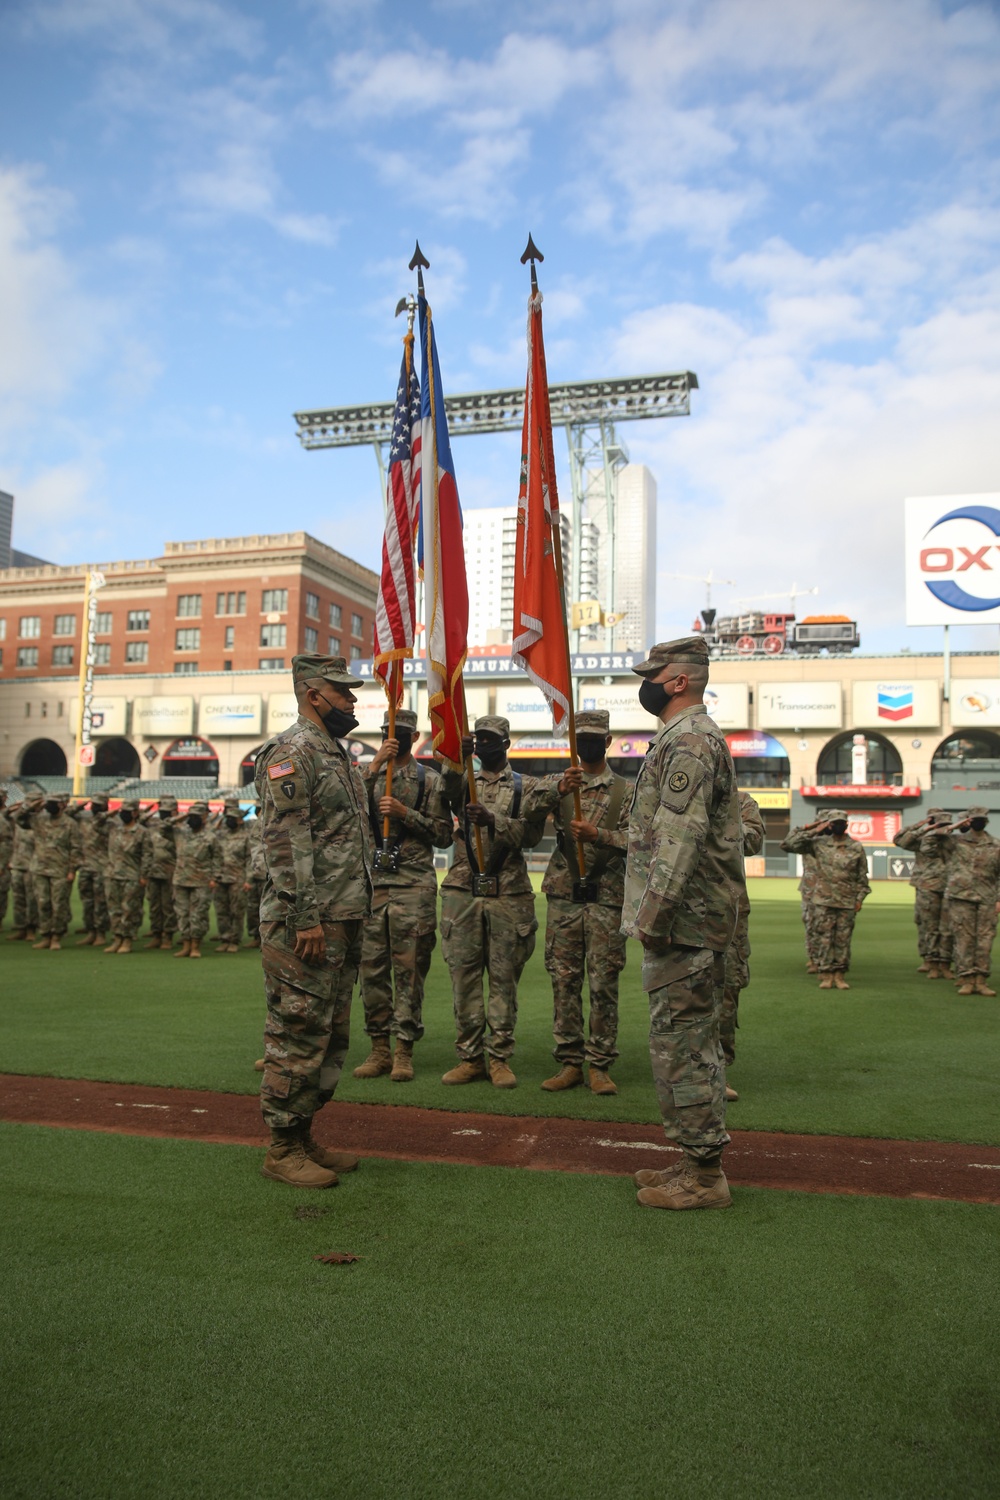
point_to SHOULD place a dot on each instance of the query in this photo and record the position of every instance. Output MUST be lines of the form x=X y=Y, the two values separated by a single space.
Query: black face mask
x=404 y=737
x=25 y=820
x=653 y=697
x=492 y=754
x=232 y=822
x=164 y=815
x=98 y=807
x=978 y=824
x=194 y=822
x=337 y=723
x=591 y=747
x=126 y=817
x=838 y=827
x=52 y=808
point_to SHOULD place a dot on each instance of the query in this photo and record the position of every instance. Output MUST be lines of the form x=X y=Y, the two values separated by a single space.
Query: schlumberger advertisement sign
x=953 y=559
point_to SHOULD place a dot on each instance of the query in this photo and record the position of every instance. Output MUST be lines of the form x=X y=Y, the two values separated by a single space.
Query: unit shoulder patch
x=281 y=768
x=678 y=781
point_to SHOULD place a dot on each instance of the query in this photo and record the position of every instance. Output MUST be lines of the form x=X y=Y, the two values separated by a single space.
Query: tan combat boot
x=569 y=1077
x=933 y=972
x=88 y=941
x=922 y=968
x=378 y=1061
x=811 y=968
x=402 y=1062
x=287 y=1162
x=693 y=1187
x=260 y=1065
x=333 y=1161
x=125 y=946
x=649 y=1177
x=43 y=942
x=947 y=972
x=233 y=948
x=54 y=943
x=154 y=942
x=195 y=950
x=167 y=940
x=30 y=935
x=601 y=1082
x=466 y=1072
x=98 y=939
x=826 y=983
x=114 y=945
x=979 y=988
x=17 y=936
x=501 y=1074
x=966 y=987
x=184 y=949
x=731 y=1094
x=840 y=982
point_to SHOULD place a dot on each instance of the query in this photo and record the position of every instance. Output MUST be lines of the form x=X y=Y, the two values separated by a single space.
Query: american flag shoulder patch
x=283 y=768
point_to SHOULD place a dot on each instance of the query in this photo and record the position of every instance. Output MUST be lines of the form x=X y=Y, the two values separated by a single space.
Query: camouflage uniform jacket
x=930 y=868
x=973 y=861
x=127 y=843
x=57 y=845
x=508 y=836
x=317 y=842
x=684 y=877
x=807 y=885
x=563 y=868
x=22 y=854
x=161 y=849
x=93 y=829
x=421 y=832
x=195 y=848
x=841 y=867
x=753 y=837
x=6 y=840
x=232 y=855
x=258 y=864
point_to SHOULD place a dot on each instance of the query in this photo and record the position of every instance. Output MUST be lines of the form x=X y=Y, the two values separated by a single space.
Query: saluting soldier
x=399 y=936
x=54 y=866
x=317 y=894
x=840 y=890
x=584 y=916
x=194 y=871
x=128 y=842
x=807 y=887
x=972 y=895
x=22 y=885
x=929 y=878
x=232 y=860
x=158 y=871
x=93 y=826
x=683 y=885
x=256 y=870
x=738 y=952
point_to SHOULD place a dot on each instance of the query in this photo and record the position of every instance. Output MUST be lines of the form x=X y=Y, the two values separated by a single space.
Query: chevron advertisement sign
x=895 y=701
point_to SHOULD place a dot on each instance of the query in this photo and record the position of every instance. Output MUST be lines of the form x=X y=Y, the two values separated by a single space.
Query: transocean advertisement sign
x=953 y=559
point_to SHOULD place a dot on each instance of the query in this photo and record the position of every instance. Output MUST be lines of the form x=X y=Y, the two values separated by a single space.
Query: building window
x=334 y=646
x=102 y=653
x=312 y=640
x=312 y=606
x=185 y=666
x=102 y=624
x=27 y=656
x=274 y=601
x=834 y=767
x=355 y=653
x=29 y=627
x=189 y=606
x=273 y=635
x=231 y=604
x=138 y=619
x=62 y=656
x=3 y=628
x=272 y=664
x=357 y=626
x=187 y=640
x=1 y=656
x=230 y=638
x=336 y=616
x=136 y=651
x=64 y=625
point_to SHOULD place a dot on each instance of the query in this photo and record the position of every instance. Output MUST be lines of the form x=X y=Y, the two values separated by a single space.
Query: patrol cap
x=835 y=815
x=201 y=808
x=593 y=721
x=132 y=805
x=231 y=805
x=493 y=724
x=938 y=815
x=977 y=812
x=405 y=719
x=313 y=671
x=689 y=651
x=167 y=804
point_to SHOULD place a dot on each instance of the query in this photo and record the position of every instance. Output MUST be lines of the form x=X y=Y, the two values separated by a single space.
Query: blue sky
x=207 y=207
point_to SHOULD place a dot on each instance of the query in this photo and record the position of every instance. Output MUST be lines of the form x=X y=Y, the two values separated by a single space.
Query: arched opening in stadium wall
x=117 y=757
x=834 y=766
x=967 y=753
x=247 y=765
x=759 y=758
x=42 y=758
x=191 y=757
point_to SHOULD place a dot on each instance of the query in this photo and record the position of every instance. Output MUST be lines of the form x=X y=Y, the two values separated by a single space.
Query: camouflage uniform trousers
x=832 y=928
x=934 y=939
x=737 y=978
x=396 y=950
x=52 y=899
x=684 y=986
x=192 y=905
x=22 y=887
x=160 y=895
x=494 y=935
x=253 y=907
x=974 y=926
x=90 y=884
x=579 y=935
x=4 y=890
x=308 y=1026
x=809 y=923
x=124 y=896
x=230 y=905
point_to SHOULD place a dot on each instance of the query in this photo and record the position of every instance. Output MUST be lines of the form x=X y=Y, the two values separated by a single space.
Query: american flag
x=395 y=609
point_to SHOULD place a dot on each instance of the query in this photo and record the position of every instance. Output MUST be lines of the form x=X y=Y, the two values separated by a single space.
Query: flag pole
x=531 y=254
x=390 y=765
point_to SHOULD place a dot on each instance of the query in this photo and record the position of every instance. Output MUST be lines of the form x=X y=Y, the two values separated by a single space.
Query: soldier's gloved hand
x=582 y=831
x=310 y=944
x=246 y=886
x=143 y=880
x=388 y=750
x=477 y=813
x=652 y=944
x=467 y=746
x=859 y=906
x=572 y=780
x=391 y=807
x=211 y=885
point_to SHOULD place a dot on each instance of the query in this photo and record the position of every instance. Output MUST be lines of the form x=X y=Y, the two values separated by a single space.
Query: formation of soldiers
x=127 y=863
x=956 y=875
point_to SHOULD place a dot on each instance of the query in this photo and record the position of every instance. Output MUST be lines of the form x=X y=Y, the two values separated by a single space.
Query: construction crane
x=706 y=578
x=790 y=594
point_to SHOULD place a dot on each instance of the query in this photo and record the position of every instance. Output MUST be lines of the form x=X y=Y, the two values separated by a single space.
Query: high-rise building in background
x=632 y=590
x=490 y=536
x=6 y=527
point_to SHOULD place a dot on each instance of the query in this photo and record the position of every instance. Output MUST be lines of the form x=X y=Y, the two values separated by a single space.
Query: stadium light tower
x=790 y=594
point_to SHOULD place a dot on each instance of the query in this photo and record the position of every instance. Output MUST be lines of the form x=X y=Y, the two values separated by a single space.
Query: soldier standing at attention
x=21 y=883
x=972 y=895
x=57 y=856
x=807 y=889
x=488 y=920
x=256 y=870
x=399 y=935
x=161 y=859
x=93 y=827
x=584 y=918
x=317 y=895
x=683 y=885
x=232 y=859
x=193 y=875
x=841 y=887
x=929 y=878
x=738 y=952
x=128 y=842
x=6 y=850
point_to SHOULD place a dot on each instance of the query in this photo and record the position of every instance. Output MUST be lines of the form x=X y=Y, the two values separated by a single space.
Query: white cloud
x=164 y=28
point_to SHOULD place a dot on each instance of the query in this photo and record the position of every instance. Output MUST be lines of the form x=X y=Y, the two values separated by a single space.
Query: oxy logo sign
x=952 y=559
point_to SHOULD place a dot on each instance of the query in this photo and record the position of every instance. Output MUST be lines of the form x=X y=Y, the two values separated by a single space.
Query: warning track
x=803 y=1163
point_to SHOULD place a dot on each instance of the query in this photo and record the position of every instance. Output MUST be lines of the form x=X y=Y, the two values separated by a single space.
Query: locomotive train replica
x=760 y=634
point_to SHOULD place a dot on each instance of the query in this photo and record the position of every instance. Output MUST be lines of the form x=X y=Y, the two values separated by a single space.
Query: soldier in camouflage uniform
x=317 y=895
x=256 y=871
x=22 y=886
x=193 y=874
x=683 y=886
x=490 y=934
x=94 y=829
x=841 y=887
x=161 y=862
x=972 y=894
x=738 y=952
x=807 y=887
x=57 y=855
x=399 y=935
x=232 y=860
x=6 y=850
x=125 y=884
x=929 y=878
x=584 y=917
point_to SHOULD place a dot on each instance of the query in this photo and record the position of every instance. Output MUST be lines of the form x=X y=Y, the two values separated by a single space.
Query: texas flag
x=895 y=701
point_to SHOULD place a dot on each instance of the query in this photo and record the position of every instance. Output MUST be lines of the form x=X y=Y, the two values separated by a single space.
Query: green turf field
x=896 y=1056
x=505 y=1334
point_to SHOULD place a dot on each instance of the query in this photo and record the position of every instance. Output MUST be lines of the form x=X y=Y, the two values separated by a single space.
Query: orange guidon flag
x=540 y=642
